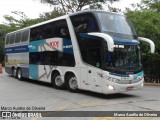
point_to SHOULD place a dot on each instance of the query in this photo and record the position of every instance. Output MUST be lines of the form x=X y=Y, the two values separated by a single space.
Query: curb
x=151 y=84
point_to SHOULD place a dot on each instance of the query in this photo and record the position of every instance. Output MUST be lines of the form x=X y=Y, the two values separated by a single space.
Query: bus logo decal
x=54 y=44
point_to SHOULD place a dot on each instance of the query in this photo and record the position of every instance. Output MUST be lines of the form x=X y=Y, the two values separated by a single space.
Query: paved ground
x=36 y=95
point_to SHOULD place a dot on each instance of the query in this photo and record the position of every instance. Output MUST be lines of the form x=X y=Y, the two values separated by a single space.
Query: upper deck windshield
x=115 y=24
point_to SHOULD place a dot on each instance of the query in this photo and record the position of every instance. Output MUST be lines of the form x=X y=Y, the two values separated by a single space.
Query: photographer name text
x=20 y=108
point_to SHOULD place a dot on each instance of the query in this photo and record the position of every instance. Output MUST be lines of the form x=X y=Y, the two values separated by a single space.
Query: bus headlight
x=110 y=87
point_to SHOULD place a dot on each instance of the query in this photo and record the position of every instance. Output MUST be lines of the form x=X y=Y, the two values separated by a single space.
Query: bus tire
x=72 y=84
x=19 y=73
x=14 y=72
x=57 y=81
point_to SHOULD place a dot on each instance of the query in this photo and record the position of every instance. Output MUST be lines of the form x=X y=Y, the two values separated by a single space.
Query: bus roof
x=62 y=17
x=92 y=11
x=38 y=24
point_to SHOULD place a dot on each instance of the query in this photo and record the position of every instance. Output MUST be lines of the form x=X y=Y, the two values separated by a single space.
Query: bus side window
x=50 y=30
x=94 y=56
x=7 y=39
x=62 y=29
x=34 y=58
x=18 y=37
x=25 y=35
x=12 y=38
x=35 y=34
x=84 y=23
x=47 y=57
x=90 y=49
x=32 y=35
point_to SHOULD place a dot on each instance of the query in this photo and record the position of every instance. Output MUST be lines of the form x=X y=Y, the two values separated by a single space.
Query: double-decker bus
x=90 y=50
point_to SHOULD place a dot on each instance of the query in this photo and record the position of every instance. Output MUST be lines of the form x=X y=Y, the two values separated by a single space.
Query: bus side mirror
x=106 y=37
x=152 y=45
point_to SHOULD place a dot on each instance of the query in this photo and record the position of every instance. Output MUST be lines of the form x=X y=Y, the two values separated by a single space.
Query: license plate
x=124 y=78
x=129 y=88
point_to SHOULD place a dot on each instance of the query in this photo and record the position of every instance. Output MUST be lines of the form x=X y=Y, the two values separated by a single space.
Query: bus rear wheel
x=57 y=81
x=14 y=72
x=19 y=74
x=72 y=84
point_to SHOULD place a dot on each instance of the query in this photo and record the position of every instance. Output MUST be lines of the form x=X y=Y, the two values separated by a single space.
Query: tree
x=14 y=24
x=147 y=24
x=146 y=20
x=76 y=5
x=50 y=15
x=2 y=33
x=152 y=4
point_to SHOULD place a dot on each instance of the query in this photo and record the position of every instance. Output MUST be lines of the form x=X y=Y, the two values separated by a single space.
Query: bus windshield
x=124 y=58
x=115 y=23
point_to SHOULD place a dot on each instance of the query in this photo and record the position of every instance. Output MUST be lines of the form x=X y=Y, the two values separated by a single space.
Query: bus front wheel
x=57 y=81
x=72 y=84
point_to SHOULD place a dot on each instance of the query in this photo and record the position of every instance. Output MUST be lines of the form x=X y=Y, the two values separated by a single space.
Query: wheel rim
x=19 y=74
x=14 y=72
x=58 y=81
x=73 y=83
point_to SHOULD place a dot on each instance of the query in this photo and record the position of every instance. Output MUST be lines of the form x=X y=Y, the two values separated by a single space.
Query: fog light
x=110 y=87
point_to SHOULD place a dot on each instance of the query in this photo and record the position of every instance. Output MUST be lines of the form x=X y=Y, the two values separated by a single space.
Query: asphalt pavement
x=39 y=96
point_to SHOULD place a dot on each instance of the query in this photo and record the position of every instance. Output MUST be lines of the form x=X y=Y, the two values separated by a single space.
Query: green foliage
x=76 y=5
x=147 y=24
x=146 y=20
x=152 y=4
x=96 y=6
x=151 y=63
x=13 y=24
x=2 y=33
x=50 y=15
x=113 y=9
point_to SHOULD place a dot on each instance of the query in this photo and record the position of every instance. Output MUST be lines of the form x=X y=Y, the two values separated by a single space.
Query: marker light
x=112 y=79
x=142 y=84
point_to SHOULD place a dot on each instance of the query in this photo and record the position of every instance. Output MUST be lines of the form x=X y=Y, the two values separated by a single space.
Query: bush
x=151 y=65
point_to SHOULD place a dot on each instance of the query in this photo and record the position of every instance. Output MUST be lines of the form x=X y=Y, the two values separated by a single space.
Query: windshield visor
x=115 y=23
x=125 y=58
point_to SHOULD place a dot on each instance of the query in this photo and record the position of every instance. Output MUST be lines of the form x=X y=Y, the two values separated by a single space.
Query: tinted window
x=25 y=35
x=50 y=30
x=7 y=40
x=36 y=58
x=91 y=49
x=52 y=58
x=84 y=23
x=12 y=38
x=62 y=29
x=18 y=37
x=115 y=23
x=58 y=58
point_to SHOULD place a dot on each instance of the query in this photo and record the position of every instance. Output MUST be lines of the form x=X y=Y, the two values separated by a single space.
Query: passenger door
x=94 y=71
x=95 y=79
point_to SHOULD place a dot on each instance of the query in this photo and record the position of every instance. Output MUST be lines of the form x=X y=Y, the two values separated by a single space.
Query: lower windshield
x=124 y=58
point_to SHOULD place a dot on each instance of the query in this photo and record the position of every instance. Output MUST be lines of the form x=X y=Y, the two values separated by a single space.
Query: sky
x=33 y=8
